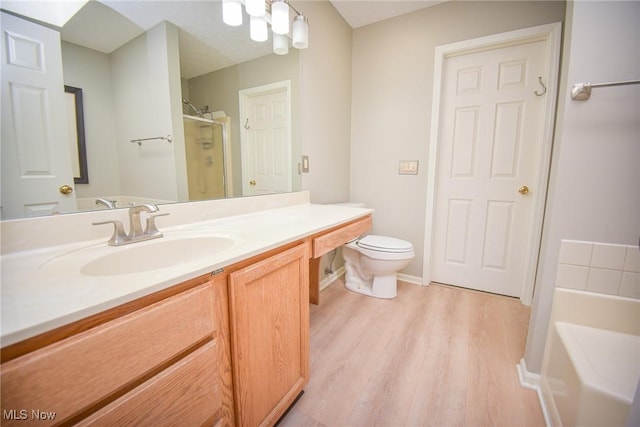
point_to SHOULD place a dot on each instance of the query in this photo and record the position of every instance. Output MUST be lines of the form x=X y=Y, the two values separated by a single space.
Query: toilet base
x=382 y=286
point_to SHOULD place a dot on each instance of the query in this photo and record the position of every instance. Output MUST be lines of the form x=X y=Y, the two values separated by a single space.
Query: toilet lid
x=384 y=244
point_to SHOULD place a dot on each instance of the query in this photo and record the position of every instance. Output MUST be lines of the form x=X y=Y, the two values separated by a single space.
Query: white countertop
x=37 y=298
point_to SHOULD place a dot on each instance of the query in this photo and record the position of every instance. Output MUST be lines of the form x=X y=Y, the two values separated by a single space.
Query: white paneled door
x=266 y=139
x=491 y=130
x=36 y=159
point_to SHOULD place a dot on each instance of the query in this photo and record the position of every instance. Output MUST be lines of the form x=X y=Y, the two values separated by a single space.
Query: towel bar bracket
x=582 y=91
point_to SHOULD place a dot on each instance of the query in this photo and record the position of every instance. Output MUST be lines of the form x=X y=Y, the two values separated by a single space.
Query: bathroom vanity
x=223 y=341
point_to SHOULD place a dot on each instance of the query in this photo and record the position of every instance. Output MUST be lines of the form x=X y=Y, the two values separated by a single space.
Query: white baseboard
x=414 y=280
x=531 y=381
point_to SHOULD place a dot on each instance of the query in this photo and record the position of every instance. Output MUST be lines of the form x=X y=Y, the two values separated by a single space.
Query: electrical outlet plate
x=408 y=167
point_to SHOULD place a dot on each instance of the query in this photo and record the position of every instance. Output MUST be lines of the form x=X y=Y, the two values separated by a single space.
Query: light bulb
x=279 y=17
x=280 y=44
x=232 y=12
x=300 y=32
x=258 y=29
x=255 y=7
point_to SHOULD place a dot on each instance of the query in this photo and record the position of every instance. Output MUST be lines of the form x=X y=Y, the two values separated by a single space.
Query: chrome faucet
x=135 y=227
x=136 y=232
x=110 y=204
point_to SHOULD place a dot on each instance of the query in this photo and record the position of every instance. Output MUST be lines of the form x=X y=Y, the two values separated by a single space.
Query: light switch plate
x=305 y=164
x=408 y=167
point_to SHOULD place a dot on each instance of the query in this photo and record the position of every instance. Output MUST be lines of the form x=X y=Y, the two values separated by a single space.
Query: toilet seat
x=384 y=244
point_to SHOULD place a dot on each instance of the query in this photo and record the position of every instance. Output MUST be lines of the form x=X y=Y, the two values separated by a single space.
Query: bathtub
x=591 y=364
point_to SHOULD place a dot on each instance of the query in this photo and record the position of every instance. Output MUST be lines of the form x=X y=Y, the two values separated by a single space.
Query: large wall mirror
x=163 y=85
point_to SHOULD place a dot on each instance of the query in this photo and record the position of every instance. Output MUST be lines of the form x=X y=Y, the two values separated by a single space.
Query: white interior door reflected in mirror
x=35 y=156
x=266 y=139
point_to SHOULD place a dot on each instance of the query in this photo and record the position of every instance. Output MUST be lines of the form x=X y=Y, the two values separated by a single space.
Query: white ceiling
x=206 y=43
x=358 y=13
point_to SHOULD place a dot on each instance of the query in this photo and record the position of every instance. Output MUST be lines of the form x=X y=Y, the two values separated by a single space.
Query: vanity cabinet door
x=163 y=364
x=269 y=313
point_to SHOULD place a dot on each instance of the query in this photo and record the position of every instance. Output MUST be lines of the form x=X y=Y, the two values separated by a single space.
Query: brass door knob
x=252 y=182
x=524 y=190
x=65 y=189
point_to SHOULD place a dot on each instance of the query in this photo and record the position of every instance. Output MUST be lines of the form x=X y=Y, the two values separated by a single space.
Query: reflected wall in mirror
x=134 y=87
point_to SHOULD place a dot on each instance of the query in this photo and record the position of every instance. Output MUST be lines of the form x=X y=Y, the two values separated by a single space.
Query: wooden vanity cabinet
x=226 y=349
x=156 y=361
x=269 y=311
x=329 y=240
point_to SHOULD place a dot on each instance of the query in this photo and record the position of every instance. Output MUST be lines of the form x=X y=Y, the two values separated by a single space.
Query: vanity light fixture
x=255 y=8
x=279 y=17
x=300 y=32
x=280 y=44
x=232 y=12
x=269 y=12
x=258 y=29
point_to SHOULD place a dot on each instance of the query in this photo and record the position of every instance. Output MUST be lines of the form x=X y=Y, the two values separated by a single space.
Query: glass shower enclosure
x=206 y=151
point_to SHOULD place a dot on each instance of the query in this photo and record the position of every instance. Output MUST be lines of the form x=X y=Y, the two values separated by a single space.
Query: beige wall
x=143 y=99
x=131 y=94
x=89 y=70
x=391 y=104
x=219 y=91
x=594 y=189
x=326 y=103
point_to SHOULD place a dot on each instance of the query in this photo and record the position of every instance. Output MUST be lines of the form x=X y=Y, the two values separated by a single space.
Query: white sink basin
x=141 y=257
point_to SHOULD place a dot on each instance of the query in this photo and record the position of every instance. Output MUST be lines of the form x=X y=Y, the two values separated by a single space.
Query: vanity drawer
x=186 y=393
x=78 y=372
x=338 y=237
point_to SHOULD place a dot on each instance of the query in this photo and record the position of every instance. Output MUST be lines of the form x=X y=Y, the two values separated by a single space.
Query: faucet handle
x=151 y=229
x=119 y=237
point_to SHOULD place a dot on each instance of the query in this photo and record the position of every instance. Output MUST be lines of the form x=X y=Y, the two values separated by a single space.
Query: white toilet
x=371 y=264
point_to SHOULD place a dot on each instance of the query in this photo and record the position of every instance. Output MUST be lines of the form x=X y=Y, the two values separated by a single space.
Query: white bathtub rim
x=596 y=294
x=620 y=386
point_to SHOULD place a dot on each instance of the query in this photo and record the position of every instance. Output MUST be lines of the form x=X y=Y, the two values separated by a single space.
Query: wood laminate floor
x=433 y=356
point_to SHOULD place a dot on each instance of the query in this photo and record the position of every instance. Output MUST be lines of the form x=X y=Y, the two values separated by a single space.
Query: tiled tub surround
x=591 y=362
x=33 y=302
x=599 y=267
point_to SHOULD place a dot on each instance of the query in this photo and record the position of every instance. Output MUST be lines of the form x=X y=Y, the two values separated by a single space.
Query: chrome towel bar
x=139 y=141
x=582 y=91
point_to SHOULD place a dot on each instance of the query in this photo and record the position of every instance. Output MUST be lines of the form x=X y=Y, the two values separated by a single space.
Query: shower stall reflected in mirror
x=208 y=157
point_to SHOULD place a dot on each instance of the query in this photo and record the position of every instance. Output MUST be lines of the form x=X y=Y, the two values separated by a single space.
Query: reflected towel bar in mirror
x=169 y=138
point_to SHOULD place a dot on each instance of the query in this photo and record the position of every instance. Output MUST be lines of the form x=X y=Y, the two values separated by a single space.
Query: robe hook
x=543 y=87
x=246 y=124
